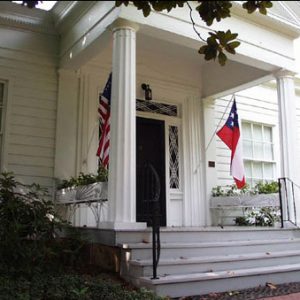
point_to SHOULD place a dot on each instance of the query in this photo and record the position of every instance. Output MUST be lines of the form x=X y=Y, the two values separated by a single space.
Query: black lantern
x=148 y=91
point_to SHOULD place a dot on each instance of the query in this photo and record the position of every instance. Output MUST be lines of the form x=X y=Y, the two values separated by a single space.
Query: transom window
x=258 y=150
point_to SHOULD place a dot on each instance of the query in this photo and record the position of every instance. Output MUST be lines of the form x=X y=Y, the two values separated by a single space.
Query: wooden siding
x=30 y=126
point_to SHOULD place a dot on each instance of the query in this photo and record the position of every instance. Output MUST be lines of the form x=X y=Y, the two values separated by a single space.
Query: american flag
x=230 y=135
x=104 y=123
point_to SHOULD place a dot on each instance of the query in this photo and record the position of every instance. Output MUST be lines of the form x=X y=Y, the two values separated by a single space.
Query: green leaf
x=119 y=3
x=222 y=58
x=230 y=47
x=202 y=49
x=263 y=10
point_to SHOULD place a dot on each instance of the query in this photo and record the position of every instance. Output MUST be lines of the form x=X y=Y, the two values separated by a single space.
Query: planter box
x=92 y=192
x=84 y=205
x=225 y=209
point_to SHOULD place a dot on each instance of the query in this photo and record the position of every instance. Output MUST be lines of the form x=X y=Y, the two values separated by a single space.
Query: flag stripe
x=104 y=123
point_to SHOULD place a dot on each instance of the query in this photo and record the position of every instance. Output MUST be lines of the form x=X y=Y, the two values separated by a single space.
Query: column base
x=123 y=225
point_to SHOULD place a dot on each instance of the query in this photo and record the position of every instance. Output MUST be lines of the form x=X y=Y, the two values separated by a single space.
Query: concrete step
x=141 y=268
x=206 y=234
x=176 y=250
x=208 y=282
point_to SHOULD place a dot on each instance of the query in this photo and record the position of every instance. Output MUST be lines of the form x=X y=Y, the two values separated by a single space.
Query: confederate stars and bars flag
x=230 y=135
x=104 y=123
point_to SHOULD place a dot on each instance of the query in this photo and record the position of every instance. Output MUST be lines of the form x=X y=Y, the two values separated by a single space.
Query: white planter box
x=92 y=192
x=84 y=205
x=225 y=209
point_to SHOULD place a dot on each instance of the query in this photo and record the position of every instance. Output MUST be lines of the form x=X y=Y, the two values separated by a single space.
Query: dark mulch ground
x=270 y=290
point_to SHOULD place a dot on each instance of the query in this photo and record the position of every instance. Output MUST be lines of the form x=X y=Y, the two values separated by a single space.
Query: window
x=258 y=150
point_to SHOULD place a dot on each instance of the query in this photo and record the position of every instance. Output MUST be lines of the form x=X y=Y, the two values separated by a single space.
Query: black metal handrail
x=153 y=183
x=287 y=200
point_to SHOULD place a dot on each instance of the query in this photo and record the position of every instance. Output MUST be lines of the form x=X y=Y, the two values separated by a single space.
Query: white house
x=53 y=65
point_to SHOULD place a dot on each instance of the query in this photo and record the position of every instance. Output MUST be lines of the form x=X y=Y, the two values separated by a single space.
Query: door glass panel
x=174 y=157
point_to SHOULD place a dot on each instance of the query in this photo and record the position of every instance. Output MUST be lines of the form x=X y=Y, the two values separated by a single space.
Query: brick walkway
x=286 y=291
x=285 y=297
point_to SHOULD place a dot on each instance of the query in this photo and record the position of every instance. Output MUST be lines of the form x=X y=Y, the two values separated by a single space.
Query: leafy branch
x=219 y=42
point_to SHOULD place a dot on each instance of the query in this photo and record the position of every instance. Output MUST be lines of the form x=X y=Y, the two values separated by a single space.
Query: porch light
x=148 y=91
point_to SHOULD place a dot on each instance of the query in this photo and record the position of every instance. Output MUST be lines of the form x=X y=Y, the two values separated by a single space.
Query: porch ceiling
x=164 y=60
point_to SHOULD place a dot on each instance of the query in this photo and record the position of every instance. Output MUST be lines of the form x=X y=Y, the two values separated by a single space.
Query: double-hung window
x=258 y=148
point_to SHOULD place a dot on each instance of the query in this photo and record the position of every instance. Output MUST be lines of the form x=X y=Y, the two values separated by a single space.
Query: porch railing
x=289 y=193
x=153 y=188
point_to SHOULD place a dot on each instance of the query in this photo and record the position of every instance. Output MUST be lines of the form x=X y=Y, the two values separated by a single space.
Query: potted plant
x=85 y=187
x=230 y=205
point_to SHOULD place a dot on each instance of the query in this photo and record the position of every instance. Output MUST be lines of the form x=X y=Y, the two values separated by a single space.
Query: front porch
x=138 y=53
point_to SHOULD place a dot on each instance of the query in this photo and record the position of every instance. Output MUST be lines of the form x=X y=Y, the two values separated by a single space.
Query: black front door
x=150 y=148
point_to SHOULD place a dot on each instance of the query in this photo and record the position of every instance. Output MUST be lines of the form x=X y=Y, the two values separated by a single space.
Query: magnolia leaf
x=119 y=3
x=222 y=58
x=202 y=49
x=263 y=10
x=230 y=47
x=272 y=286
x=209 y=11
x=252 y=6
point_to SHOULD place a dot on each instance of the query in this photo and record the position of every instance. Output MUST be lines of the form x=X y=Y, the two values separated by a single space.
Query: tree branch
x=194 y=24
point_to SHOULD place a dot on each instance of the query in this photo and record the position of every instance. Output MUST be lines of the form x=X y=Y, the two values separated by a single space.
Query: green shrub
x=71 y=287
x=267 y=188
x=29 y=230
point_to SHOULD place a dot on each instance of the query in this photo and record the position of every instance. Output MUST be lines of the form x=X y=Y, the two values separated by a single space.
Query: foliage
x=209 y=11
x=267 y=188
x=67 y=286
x=218 y=42
x=266 y=216
x=85 y=179
x=232 y=190
x=30 y=4
x=29 y=229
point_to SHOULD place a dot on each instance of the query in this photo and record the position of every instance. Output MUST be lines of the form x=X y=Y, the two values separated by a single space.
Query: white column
x=194 y=200
x=287 y=123
x=122 y=160
x=209 y=149
x=288 y=138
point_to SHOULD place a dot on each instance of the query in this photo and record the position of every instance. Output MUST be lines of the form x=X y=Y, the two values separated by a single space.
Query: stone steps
x=195 y=262
x=176 y=250
x=167 y=266
x=205 y=234
x=230 y=280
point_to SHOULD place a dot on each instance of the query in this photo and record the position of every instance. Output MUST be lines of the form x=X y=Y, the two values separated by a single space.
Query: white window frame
x=251 y=180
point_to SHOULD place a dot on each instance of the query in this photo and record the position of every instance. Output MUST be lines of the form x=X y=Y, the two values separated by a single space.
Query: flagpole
x=213 y=135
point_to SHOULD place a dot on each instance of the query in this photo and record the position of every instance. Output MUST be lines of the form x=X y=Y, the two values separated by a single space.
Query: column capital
x=284 y=74
x=209 y=101
x=123 y=24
